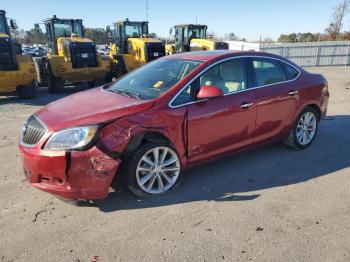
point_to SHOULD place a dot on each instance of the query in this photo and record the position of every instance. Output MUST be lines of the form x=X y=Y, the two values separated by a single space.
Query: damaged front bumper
x=77 y=175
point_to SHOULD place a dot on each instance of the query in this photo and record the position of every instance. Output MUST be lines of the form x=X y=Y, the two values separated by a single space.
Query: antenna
x=147 y=10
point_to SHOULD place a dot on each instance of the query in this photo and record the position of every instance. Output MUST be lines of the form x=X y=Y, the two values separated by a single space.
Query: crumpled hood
x=89 y=107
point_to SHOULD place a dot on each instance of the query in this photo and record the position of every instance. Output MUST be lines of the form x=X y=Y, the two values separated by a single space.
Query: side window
x=229 y=76
x=187 y=95
x=292 y=73
x=268 y=71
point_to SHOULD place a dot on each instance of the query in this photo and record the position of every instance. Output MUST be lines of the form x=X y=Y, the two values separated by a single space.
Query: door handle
x=246 y=105
x=292 y=92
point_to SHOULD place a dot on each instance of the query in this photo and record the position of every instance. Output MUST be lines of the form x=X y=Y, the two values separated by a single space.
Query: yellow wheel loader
x=190 y=37
x=72 y=58
x=132 y=47
x=17 y=71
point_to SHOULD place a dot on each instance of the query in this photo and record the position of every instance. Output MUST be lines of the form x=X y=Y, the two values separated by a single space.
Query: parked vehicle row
x=71 y=58
x=103 y=50
x=34 y=51
x=175 y=112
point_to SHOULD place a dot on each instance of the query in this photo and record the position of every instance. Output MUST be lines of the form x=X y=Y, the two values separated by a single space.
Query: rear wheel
x=304 y=130
x=154 y=169
x=27 y=91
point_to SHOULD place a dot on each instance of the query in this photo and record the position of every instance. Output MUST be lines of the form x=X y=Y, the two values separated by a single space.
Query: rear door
x=277 y=98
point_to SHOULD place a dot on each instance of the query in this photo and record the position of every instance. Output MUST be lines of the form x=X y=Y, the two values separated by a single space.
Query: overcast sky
x=248 y=19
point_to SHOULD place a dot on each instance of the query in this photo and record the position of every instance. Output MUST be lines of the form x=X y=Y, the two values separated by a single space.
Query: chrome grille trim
x=32 y=131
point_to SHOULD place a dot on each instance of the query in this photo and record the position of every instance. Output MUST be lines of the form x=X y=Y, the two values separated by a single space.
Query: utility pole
x=146 y=10
x=260 y=40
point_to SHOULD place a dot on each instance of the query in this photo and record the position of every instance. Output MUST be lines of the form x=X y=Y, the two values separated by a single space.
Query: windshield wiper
x=125 y=93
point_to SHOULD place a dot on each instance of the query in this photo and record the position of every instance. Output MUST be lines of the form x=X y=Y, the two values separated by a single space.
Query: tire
x=118 y=73
x=54 y=84
x=28 y=91
x=298 y=137
x=108 y=78
x=119 y=67
x=133 y=176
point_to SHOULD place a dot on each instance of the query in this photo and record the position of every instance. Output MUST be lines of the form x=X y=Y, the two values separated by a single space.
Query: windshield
x=135 y=30
x=64 y=28
x=3 y=28
x=155 y=78
x=196 y=33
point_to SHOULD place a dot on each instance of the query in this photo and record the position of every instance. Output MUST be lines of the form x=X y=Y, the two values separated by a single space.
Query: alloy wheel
x=158 y=170
x=306 y=128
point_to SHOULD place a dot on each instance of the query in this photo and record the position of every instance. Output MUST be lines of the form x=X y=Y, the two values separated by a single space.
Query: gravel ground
x=269 y=204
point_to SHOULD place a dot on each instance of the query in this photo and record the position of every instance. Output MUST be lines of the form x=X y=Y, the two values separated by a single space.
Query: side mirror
x=207 y=92
x=171 y=31
x=13 y=24
x=108 y=29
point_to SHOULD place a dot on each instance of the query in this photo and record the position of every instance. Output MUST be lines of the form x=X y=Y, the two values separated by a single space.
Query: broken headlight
x=76 y=138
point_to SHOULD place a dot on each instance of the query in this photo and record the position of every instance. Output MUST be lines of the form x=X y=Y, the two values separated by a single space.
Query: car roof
x=206 y=56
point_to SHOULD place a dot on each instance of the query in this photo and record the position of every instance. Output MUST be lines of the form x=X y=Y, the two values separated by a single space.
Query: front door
x=226 y=123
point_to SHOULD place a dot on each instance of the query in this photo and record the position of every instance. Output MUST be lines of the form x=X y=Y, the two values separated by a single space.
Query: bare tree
x=339 y=12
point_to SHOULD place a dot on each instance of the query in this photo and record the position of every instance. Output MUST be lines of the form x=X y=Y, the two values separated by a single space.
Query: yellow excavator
x=17 y=71
x=193 y=37
x=132 y=47
x=72 y=58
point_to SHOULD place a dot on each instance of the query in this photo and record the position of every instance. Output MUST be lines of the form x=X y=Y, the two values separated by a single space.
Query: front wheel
x=54 y=84
x=28 y=91
x=304 y=130
x=153 y=169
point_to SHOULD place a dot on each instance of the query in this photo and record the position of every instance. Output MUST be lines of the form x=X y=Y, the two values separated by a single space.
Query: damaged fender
x=171 y=125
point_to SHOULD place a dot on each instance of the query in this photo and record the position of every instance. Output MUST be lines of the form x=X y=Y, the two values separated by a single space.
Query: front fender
x=171 y=124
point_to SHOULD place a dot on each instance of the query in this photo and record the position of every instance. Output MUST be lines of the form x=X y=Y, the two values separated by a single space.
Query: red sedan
x=173 y=113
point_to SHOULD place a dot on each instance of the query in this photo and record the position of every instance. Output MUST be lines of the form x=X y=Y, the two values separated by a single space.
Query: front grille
x=221 y=46
x=83 y=55
x=7 y=59
x=32 y=131
x=154 y=51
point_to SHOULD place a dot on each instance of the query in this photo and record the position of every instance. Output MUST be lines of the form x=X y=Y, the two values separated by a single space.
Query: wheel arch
x=313 y=106
x=138 y=139
x=316 y=108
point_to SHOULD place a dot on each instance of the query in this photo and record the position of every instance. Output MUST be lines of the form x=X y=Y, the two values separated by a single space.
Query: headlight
x=76 y=138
